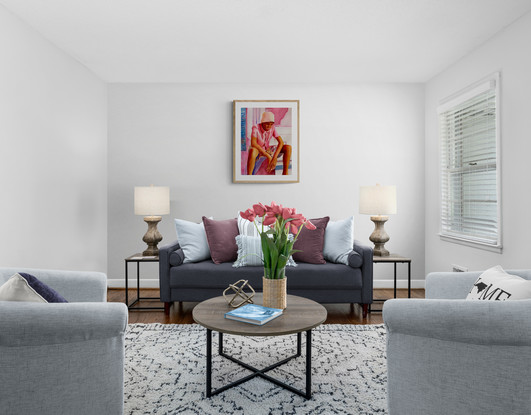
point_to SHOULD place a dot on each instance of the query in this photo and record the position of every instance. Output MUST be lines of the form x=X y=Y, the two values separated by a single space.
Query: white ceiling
x=267 y=40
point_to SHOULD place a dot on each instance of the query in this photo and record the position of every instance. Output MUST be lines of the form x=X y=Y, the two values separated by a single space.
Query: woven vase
x=275 y=293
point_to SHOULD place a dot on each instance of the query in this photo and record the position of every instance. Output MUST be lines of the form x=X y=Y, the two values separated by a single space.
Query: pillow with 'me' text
x=497 y=285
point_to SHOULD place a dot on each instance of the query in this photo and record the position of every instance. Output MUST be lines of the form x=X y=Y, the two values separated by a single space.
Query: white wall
x=53 y=172
x=509 y=53
x=180 y=135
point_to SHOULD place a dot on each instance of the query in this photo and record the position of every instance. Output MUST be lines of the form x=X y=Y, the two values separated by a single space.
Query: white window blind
x=470 y=188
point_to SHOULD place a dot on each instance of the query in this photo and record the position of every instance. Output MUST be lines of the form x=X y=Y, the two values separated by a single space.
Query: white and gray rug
x=165 y=372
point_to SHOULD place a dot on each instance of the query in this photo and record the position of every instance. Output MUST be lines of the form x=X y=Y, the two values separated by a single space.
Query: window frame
x=491 y=82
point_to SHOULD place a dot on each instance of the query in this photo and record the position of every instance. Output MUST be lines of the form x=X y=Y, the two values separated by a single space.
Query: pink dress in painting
x=263 y=139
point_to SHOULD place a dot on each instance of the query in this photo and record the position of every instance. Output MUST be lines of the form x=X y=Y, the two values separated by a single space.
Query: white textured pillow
x=250 y=252
x=17 y=288
x=192 y=240
x=496 y=284
x=339 y=240
x=248 y=228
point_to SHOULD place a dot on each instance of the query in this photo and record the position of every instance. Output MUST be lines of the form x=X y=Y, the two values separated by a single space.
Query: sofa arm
x=74 y=286
x=464 y=321
x=164 y=269
x=365 y=252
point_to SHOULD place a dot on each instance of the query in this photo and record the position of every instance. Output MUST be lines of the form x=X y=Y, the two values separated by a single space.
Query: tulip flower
x=277 y=244
x=249 y=214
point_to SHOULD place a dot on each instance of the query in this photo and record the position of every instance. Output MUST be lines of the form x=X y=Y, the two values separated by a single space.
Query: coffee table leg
x=220 y=343
x=308 y=364
x=209 y=364
x=299 y=341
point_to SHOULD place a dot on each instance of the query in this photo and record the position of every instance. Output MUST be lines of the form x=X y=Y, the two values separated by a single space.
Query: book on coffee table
x=254 y=314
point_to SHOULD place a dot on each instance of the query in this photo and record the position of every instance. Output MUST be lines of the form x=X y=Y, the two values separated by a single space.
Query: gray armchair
x=62 y=358
x=446 y=355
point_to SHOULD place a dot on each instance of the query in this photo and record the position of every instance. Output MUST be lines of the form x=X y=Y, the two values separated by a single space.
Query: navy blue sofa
x=324 y=283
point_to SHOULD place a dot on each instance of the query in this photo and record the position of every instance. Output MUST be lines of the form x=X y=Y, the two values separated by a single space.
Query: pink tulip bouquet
x=277 y=246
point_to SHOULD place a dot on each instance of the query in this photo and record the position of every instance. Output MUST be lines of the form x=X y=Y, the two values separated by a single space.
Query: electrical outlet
x=459 y=268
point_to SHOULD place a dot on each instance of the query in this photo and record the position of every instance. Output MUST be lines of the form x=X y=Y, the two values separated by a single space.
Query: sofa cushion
x=496 y=284
x=339 y=240
x=26 y=287
x=221 y=236
x=250 y=252
x=193 y=241
x=311 y=242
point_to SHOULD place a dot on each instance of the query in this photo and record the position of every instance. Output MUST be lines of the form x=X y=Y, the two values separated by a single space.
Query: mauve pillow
x=311 y=243
x=221 y=237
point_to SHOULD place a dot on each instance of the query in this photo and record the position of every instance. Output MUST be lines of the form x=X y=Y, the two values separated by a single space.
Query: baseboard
x=153 y=283
x=144 y=283
x=401 y=283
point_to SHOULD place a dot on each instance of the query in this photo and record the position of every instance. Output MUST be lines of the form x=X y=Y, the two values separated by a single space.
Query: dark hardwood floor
x=182 y=313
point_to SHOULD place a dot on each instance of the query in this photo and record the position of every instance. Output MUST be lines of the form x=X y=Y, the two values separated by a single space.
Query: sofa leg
x=167 y=308
x=365 y=309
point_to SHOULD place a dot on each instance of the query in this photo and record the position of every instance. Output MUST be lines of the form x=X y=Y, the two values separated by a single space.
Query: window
x=470 y=168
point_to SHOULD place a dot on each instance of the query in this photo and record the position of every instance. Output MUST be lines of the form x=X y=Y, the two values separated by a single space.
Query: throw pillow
x=248 y=228
x=339 y=240
x=192 y=240
x=496 y=284
x=25 y=287
x=311 y=243
x=250 y=252
x=221 y=238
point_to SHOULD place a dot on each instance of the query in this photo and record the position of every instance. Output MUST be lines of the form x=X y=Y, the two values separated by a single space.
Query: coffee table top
x=301 y=314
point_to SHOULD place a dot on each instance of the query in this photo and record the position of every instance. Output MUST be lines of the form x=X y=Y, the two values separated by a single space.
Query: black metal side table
x=138 y=258
x=394 y=259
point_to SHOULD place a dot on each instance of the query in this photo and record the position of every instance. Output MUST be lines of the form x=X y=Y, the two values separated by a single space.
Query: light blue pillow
x=250 y=252
x=339 y=240
x=193 y=241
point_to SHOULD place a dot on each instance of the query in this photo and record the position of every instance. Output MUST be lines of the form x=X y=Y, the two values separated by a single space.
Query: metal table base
x=260 y=372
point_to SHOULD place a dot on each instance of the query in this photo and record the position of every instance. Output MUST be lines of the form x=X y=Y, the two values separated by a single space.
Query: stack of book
x=254 y=314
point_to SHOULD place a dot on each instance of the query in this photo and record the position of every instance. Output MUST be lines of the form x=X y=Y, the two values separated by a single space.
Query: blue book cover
x=254 y=314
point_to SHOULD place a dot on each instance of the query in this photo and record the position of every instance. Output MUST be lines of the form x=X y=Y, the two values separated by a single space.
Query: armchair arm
x=464 y=321
x=74 y=286
x=164 y=269
x=458 y=356
x=62 y=358
x=35 y=324
x=366 y=270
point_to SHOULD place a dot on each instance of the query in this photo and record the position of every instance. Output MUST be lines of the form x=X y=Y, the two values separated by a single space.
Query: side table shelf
x=138 y=258
x=393 y=259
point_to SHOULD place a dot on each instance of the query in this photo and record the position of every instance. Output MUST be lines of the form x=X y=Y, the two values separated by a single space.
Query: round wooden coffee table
x=301 y=315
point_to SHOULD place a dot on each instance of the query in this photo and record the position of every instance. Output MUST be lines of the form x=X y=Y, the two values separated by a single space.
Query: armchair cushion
x=25 y=287
x=496 y=284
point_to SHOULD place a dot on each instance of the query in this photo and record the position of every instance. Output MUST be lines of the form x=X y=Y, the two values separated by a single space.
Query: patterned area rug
x=165 y=372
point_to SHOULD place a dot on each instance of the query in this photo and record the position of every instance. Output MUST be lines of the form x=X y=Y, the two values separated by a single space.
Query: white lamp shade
x=378 y=200
x=152 y=200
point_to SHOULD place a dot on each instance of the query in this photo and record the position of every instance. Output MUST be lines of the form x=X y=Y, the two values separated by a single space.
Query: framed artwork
x=266 y=141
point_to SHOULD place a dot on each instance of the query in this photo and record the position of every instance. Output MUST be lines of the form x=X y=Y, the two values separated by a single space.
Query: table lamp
x=378 y=201
x=152 y=201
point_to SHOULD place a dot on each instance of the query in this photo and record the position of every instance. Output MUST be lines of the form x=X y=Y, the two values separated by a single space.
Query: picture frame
x=266 y=141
